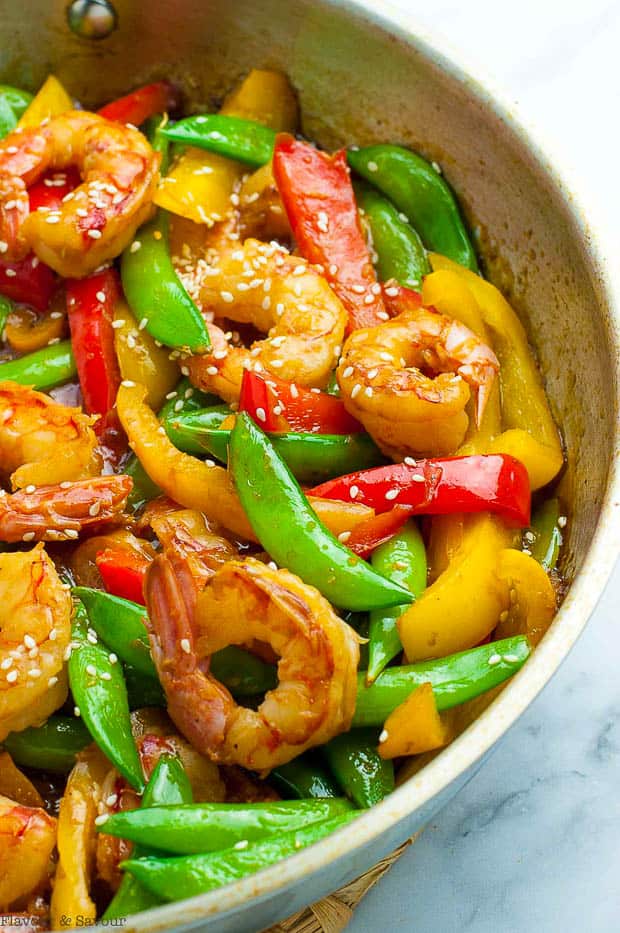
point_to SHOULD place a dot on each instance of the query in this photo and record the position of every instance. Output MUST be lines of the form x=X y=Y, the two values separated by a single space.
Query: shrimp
x=282 y=296
x=382 y=376
x=27 y=839
x=42 y=442
x=319 y=654
x=189 y=533
x=59 y=513
x=35 y=629
x=99 y=218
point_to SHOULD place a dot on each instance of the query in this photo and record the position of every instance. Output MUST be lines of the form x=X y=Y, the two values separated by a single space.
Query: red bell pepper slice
x=320 y=204
x=142 y=103
x=261 y=403
x=481 y=483
x=399 y=298
x=312 y=411
x=91 y=304
x=368 y=535
x=28 y=282
x=49 y=191
x=123 y=572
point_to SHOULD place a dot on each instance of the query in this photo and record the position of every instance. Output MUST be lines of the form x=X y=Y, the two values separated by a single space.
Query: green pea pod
x=298 y=540
x=400 y=251
x=157 y=140
x=120 y=624
x=208 y=827
x=455 y=679
x=98 y=688
x=184 y=399
x=243 y=140
x=168 y=785
x=355 y=763
x=311 y=458
x=332 y=387
x=50 y=747
x=8 y=120
x=192 y=431
x=402 y=559
x=156 y=294
x=18 y=100
x=6 y=306
x=179 y=877
x=44 y=369
x=304 y=777
x=421 y=193
x=143 y=489
x=547 y=534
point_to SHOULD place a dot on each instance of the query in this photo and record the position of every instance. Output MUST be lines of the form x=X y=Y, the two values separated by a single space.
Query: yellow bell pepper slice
x=50 y=101
x=465 y=602
x=448 y=293
x=140 y=359
x=414 y=727
x=524 y=404
x=15 y=785
x=200 y=183
x=541 y=461
x=532 y=597
x=71 y=903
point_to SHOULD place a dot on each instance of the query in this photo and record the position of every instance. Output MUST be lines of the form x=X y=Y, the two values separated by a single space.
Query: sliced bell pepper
x=199 y=184
x=142 y=103
x=261 y=402
x=123 y=572
x=140 y=359
x=27 y=332
x=532 y=597
x=50 y=101
x=524 y=404
x=91 y=304
x=310 y=410
x=414 y=727
x=27 y=281
x=369 y=535
x=487 y=482
x=547 y=535
x=464 y=604
x=320 y=204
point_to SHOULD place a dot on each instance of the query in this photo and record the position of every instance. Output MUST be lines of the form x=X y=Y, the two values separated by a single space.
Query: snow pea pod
x=548 y=537
x=44 y=369
x=6 y=306
x=50 y=747
x=355 y=763
x=185 y=876
x=400 y=251
x=17 y=99
x=298 y=540
x=99 y=690
x=304 y=777
x=208 y=827
x=417 y=189
x=168 y=785
x=455 y=679
x=156 y=294
x=310 y=457
x=403 y=559
x=235 y=137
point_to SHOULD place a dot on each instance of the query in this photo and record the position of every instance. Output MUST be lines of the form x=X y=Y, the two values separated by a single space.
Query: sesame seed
x=348 y=372
x=212 y=370
x=52 y=681
x=10 y=273
x=372 y=373
x=29 y=641
x=105 y=675
x=112 y=658
x=12 y=676
x=143 y=323
x=383 y=315
x=3 y=246
x=34 y=672
x=135 y=246
x=409 y=461
x=111 y=800
x=277 y=363
x=372 y=166
x=6 y=664
x=81 y=212
x=228 y=297
x=356 y=388
x=128 y=383
x=28 y=536
x=261 y=414
x=368 y=391
x=92 y=637
x=53 y=635
x=494 y=659
x=100 y=296
x=369 y=299
x=185 y=370
x=94 y=509
x=185 y=645
x=210 y=463
x=101 y=819
x=358 y=289
x=272 y=565
x=437 y=167
x=71 y=533
x=118 y=324
x=391 y=494
x=94 y=234
x=76 y=711
x=511 y=659
x=333 y=269
x=242 y=844
x=294 y=390
x=299 y=269
x=91 y=670
x=562 y=521
x=30 y=489
x=178 y=406
x=354 y=492
x=266 y=304
x=384 y=735
x=418 y=478
x=344 y=536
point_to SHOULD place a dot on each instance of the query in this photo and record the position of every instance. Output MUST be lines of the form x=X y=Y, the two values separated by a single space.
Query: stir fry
x=269 y=444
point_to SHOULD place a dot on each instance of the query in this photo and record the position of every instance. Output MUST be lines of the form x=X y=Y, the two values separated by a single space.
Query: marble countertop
x=533 y=842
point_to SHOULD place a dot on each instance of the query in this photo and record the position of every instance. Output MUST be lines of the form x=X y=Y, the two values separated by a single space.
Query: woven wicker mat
x=333 y=913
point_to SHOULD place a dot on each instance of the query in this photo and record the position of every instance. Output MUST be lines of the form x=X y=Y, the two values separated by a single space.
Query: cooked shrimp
x=382 y=376
x=35 y=629
x=42 y=442
x=59 y=513
x=27 y=839
x=319 y=653
x=282 y=296
x=98 y=220
x=188 y=533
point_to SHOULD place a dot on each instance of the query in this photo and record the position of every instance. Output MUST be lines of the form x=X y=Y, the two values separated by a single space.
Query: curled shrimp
x=61 y=512
x=383 y=378
x=27 y=839
x=319 y=653
x=42 y=442
x=99 y=218
x=35 y=629
x=282 y=296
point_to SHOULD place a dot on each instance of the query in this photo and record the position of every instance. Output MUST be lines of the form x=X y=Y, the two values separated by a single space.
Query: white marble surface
x=532 y=844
